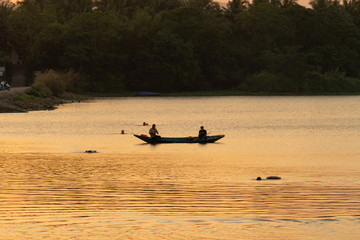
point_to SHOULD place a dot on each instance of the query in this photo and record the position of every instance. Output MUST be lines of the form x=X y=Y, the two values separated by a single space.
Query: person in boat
x=154 y=132
x=202 y=133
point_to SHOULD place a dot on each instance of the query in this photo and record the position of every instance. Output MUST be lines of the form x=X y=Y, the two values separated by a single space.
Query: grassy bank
x=17 y=100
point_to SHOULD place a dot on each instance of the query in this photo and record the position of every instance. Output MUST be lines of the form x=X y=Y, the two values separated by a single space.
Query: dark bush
x=39 y=89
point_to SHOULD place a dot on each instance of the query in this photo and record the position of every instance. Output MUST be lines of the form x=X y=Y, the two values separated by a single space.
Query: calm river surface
x=51 y=189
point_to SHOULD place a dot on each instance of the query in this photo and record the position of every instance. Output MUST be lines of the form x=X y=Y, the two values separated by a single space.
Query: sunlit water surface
x=51 y=189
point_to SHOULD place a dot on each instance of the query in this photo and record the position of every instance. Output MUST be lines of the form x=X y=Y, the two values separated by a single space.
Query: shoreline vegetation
x=20 y=101
x=183 y=47
x=53 y=88
x=49 y=90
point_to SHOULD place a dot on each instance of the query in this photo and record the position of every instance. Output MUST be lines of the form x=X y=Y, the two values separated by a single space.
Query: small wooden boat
x=148 y=94
x=208 y=139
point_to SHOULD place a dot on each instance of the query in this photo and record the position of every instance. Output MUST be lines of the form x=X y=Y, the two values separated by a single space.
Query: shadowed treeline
x=274 y=46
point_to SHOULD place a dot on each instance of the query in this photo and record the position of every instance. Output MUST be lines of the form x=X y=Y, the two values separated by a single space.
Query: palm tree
x=352 y=7
x=283 y=3
x=318 y=4
x=156 y=6
x=6 y=6
x=79 y=6
x=27 y=2
x=112 y=5
x=287 y=3
x=276 y=3
x=234 y=7
x=258 y=2
x=237 y=6
x=209 y=5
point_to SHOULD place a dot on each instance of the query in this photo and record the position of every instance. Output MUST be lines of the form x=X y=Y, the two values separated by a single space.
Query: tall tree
x=283 y=3
x=208 y=5
x=66 y=9
x=122 y=6
x=156 y=6
x=335 y=42
x=6 y=9
x=258 y=2
x=353 y=8
x=208 y=33
x=27 y=22
x=234 y=7
x=94 y=45
x=174 y=65
x=318 y=4
x=77 y=6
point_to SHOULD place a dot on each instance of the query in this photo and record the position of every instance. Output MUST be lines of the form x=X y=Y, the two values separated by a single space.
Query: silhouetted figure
x=202 y=133
x=153 y=132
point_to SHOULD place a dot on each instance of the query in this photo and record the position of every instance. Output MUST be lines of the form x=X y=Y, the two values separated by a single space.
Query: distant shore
x=16 y=100
x=208 y=93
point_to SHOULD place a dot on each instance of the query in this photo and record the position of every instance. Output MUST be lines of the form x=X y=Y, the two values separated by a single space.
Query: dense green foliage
x=266 y=46
x=51 y=83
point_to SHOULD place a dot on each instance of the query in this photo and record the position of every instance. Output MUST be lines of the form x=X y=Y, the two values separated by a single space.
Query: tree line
x=271 y=46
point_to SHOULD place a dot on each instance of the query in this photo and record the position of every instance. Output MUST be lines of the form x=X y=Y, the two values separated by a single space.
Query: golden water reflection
x=51 y=189
x=42 y=193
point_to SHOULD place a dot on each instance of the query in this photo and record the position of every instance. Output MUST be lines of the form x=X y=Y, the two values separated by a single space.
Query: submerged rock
x=91 y=151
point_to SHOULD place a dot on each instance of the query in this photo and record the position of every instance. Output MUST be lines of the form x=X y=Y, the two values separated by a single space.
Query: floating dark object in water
x=122 y=132
x=273 y=178
x=91 y=151
x=145 y=123
x=147 y=94
x=258 y=178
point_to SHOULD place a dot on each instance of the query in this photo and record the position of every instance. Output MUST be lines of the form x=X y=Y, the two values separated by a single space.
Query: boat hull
x=209 y=139
x=148 y=94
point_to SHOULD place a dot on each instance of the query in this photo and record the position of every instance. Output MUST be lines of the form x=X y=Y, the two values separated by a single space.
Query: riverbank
x=16 y=100
x=208 y=93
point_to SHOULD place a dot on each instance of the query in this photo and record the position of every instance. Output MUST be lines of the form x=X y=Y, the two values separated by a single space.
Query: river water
x=51 y=189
